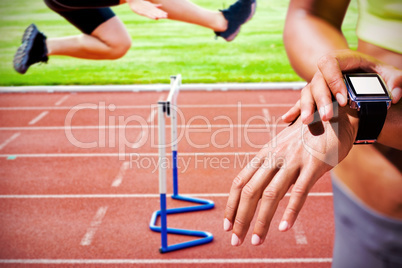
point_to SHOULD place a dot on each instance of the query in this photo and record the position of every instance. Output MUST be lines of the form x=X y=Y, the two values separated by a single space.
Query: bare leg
x=186 y=11
x=109 y=40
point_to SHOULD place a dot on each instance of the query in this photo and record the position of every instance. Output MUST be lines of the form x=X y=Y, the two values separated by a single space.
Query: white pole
x=162 y=148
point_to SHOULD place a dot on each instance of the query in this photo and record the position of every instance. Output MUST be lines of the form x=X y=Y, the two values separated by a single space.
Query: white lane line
x=159 y=87
x=119 y=178
x=63 y=99
x=12 y=138
x=151 y=117
x=268 y=126
x=150 y=120
x=72 y=196
x=299 y=234
x=266 y=114
x=96 y=222
x=184 y=106
x=39 y=117
x=142 y=135
x=265 y=111
x=128 y=154
x=165 y=261
x=261 y=99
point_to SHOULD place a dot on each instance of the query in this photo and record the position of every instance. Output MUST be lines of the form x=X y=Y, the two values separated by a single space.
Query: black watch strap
x=371 y=120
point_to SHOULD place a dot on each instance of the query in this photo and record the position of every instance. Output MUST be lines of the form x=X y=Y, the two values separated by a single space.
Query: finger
x=332 y=73
x=161 y=14
x=307 y=105
x=235 y=191
x=250 y=196
x=348 y=60
x=149 y=10
x=275 y=191
x=292 y=114
x=298 y=196
x=396 y=95
x=393 y=78
x=322 y=97
x=158 y=13
x=158 y=17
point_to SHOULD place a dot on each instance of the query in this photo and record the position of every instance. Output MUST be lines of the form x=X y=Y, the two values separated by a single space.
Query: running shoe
x=236 y=15
x=32 y=50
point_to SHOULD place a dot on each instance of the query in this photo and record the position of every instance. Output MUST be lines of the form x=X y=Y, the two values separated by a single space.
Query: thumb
x=393 y=78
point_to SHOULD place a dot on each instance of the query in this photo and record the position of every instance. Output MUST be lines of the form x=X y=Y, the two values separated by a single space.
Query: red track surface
x=71 y=206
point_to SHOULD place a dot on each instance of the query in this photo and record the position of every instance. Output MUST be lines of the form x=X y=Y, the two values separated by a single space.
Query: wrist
x=349 y=119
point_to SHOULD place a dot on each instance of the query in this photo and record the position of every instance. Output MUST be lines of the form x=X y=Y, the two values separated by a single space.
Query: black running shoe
x=236 y=15
x=32 y=50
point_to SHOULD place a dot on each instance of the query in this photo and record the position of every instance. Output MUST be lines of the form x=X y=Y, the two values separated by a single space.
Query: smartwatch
x=369 y=95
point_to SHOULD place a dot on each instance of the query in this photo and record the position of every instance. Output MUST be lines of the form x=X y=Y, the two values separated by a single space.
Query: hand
x=147 y=9
x=298 y=155
x=328 y=79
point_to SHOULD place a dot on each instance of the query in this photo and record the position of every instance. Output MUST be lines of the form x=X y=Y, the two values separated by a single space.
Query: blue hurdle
x=165 y=107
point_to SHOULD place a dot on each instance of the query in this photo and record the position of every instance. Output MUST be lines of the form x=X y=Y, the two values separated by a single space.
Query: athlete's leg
x=186 y=11
x=109 y=40
x=104 y=35
x=226 y=23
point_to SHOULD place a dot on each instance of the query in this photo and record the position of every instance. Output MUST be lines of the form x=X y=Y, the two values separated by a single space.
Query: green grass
x=160 y=48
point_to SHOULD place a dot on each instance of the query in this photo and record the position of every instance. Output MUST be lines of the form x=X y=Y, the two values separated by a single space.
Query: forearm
x=390 y=133
x=392 y=130
x=311 y=31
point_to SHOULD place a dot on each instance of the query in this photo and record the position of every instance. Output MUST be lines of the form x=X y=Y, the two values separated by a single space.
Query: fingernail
x=255 y=240
x=235 y=240
x=396 y=94
x=284 y=116
x=341 y=99
x=304 y=115
x=227 y=225
x=322 y=113
x=283 y=226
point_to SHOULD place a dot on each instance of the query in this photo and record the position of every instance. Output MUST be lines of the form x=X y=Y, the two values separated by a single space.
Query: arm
x=391 y=132
x=329 y=80
x=300 y=164
x=314 y=27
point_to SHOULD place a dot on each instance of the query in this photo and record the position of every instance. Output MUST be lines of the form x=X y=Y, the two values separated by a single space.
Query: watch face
x=366 y=85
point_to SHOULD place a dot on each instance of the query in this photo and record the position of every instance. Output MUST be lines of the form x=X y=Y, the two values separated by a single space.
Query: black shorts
x=86 y=15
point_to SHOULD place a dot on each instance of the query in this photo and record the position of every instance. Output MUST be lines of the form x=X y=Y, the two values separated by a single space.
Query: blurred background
x=160 y=48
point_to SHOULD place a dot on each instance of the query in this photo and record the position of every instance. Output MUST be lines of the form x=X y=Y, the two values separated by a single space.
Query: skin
x=314 y=27
x=266 y=181
x=328 y=80
x=110 y=40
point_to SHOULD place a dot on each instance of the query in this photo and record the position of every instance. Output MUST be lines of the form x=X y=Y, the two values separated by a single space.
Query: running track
x=78 y=183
